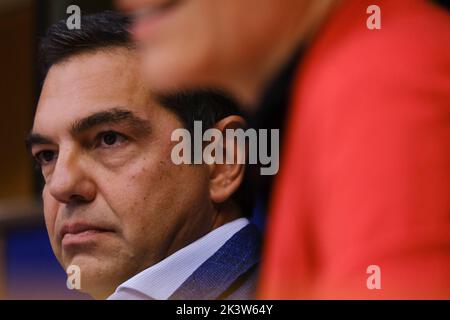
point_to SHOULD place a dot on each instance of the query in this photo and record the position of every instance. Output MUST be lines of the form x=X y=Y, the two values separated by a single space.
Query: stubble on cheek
x=148 y=222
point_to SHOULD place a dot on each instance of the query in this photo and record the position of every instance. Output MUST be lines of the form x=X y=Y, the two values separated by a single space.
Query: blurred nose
x=70 y=182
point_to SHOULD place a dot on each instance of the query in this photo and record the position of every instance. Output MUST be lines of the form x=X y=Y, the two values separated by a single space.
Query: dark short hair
x=103 y=30
x=108 y=29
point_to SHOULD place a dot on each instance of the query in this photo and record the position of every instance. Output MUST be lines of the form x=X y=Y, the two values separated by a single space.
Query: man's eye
x=45 y=157
x=111 y=138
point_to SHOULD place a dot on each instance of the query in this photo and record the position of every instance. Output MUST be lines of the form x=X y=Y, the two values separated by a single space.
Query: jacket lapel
x=237 y=256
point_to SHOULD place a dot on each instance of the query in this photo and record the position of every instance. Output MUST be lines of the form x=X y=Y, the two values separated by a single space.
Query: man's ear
x=225 y=178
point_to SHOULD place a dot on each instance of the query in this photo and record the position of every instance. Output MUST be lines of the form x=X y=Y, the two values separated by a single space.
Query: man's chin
x=98 y=276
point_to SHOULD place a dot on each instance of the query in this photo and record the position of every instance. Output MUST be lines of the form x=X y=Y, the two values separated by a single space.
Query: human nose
x=70 y=181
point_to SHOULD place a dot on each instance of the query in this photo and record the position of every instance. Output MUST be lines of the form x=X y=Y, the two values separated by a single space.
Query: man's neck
x=226 y=213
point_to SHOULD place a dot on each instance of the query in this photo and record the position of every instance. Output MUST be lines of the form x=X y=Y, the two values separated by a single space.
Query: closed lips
x=79 y=228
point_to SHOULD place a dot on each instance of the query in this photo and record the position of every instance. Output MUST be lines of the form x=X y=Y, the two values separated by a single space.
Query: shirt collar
x=161 y=280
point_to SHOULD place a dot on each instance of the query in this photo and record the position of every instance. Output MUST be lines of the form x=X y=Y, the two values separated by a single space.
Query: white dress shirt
x=161 y=280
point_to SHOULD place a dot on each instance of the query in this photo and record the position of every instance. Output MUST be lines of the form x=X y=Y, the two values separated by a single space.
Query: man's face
x=190 y=43
x=114 y=202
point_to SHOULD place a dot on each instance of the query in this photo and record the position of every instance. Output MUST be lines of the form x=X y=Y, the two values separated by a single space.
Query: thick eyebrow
x=111 y=116
x=36 y=139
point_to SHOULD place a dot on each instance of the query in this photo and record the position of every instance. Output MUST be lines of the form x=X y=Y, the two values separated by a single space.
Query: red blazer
x=365 y=172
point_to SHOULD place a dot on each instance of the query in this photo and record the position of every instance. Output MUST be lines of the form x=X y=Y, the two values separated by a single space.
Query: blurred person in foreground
x=364 y=183
x=136 y=224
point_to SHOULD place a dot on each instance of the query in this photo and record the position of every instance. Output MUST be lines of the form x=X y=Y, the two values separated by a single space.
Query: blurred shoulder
x=411 y=49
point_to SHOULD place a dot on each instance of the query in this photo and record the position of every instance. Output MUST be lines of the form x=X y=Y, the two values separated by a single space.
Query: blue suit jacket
x=230 y=273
